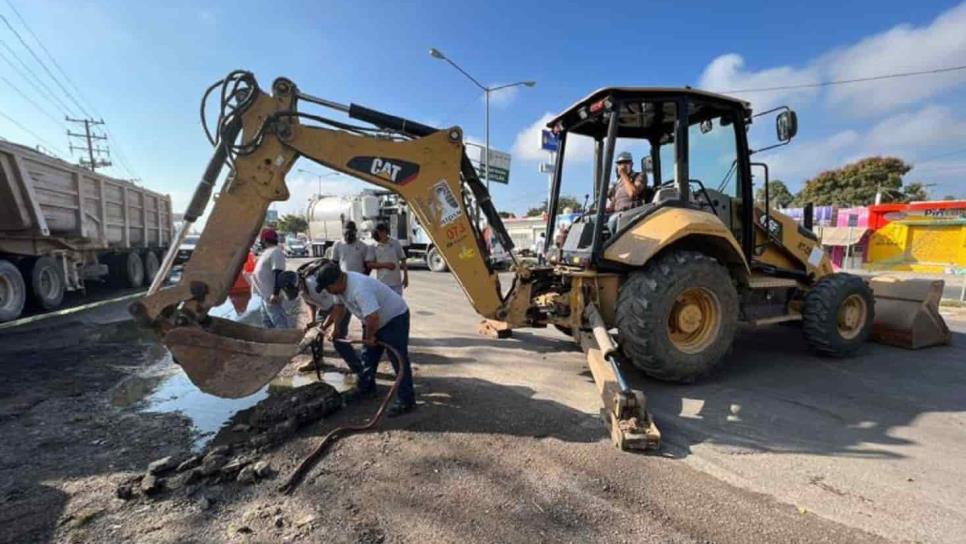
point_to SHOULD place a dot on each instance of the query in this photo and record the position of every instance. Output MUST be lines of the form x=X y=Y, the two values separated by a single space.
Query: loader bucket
x=229 y=359
x=907 y=312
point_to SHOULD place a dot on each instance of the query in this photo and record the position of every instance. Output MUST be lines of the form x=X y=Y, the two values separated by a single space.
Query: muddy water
x=164 y=388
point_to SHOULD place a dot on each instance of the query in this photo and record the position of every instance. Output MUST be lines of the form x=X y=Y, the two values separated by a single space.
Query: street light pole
x=437 y=54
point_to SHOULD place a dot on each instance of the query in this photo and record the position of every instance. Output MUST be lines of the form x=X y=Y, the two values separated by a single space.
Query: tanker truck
x=327 y=215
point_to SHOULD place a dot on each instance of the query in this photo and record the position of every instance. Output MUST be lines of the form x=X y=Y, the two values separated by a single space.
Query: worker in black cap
x=385 y=318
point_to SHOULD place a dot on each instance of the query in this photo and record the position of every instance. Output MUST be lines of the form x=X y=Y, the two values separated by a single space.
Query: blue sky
x=143 y=67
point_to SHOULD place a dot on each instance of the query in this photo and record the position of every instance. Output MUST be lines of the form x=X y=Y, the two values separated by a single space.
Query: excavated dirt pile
x=234 y=453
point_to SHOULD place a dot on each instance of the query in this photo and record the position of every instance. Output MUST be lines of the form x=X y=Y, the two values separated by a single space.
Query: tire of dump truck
x=677 y=316
x=13 y=291
x=46 y=288
x=435 y=261
x=838 y=314
x=151 y=266
x=126 y=269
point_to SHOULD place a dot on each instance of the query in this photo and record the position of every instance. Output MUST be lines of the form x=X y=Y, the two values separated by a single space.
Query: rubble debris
x=247 y=475
x=263 y=469
x=151 y=484
x=190 y=463
x=266 y=424
x=162 y=465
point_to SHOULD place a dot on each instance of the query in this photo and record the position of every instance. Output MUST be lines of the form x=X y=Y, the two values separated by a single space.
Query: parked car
x=186 y=249
x=296 y=248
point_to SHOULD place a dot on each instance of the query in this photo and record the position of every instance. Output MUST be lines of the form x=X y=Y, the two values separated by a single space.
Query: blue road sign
x=549 y=141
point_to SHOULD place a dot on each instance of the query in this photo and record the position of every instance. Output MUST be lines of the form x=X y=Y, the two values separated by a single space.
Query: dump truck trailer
x=62 y=225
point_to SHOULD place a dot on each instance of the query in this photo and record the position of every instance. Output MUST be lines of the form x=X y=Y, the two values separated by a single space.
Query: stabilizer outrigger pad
x=229 y=359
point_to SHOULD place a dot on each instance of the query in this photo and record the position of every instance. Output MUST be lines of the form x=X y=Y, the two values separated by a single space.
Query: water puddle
x=162 y=387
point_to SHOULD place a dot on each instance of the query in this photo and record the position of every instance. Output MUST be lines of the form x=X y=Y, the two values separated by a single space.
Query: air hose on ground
x=310 y=461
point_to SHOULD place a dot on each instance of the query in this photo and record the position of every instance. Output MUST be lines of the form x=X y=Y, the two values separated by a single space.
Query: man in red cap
x=266 y=284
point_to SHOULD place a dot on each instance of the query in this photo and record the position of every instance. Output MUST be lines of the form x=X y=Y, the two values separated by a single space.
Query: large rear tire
x=677 y=316
x=46 y=289
x=126 y=269
x=434 y=260
x=151 y=266
x=13 y=291
x=838 y=314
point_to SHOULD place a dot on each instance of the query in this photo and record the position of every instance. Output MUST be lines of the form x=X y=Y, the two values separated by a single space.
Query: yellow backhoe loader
x=662 y=286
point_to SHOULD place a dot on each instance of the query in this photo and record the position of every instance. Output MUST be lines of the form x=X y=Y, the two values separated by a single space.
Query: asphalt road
x=506 y=444
x=875 y=442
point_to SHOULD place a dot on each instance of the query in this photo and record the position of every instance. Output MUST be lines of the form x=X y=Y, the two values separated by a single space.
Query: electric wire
x=27 y=98
x=36 y=82
x=43 y=65
x=39 y=138
x=848 y=81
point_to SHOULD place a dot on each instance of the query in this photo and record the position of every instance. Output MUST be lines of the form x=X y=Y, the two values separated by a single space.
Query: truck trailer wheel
x=677 y=316
x=434 y=260
x=151 y=266
x=838 y=314
x=13 y=291
x=46 y=287
x=126 y=269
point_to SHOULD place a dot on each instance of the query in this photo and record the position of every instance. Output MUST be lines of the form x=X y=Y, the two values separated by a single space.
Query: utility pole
x=91 y=147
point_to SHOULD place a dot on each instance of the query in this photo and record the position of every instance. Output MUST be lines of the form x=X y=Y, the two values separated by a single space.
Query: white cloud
x=904 y=132
x=903 y=48
x=727 y=73
x=802 y=160
x=526 y=145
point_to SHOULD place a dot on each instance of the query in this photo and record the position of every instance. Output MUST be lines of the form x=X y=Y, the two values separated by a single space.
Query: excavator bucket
x=907 y=312
x=229 y=359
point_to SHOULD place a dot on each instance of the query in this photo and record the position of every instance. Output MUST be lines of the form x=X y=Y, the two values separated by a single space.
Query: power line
x=31 y=100
x=91 y=148
x=49 y=54
x=43 y=64
x=32 y=133
x=846 y=81
x=36 y=82
x=117 y=146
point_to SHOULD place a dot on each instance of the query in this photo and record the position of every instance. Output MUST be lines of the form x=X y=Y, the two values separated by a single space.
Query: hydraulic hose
x=310 y=461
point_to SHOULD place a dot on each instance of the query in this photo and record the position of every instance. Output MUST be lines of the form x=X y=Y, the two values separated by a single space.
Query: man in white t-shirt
x=265 y=284
x=385 y=318
x=351 y=254
x=388 y=259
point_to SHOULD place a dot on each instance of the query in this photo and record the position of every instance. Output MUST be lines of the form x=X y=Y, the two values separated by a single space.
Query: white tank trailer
x=327 y=216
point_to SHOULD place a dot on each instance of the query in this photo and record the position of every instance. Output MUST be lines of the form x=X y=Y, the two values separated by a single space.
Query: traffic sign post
x=549 y=141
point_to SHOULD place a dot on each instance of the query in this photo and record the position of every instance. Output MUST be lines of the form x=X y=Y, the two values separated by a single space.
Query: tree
x=778 y=194
x=506 y=215
x=914 y=191
x=856 y=184
x=562 y=202
x=949 y=197
x=292 y=223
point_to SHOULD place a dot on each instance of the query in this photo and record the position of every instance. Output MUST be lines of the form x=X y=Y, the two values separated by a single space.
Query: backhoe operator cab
x=694 y=154
x=677 y=272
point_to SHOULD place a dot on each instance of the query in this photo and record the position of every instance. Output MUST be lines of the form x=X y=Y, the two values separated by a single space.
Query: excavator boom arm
x=426 y=167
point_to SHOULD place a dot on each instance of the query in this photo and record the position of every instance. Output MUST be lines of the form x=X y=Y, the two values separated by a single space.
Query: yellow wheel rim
x=695 y=320
x=851 y=316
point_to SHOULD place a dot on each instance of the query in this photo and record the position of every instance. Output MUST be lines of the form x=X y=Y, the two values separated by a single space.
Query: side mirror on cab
x=786 y=125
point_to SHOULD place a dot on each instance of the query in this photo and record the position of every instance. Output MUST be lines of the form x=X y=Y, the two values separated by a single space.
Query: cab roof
x=639 y=115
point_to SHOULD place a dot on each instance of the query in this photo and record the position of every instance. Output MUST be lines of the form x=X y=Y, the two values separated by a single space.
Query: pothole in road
x=163 y=387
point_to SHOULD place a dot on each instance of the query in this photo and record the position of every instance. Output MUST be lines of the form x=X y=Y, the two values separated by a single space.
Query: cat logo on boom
x=392 y=170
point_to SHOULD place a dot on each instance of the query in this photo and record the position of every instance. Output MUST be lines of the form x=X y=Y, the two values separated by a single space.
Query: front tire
x=434 y=260
x=677 y=316
x=838 y=314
